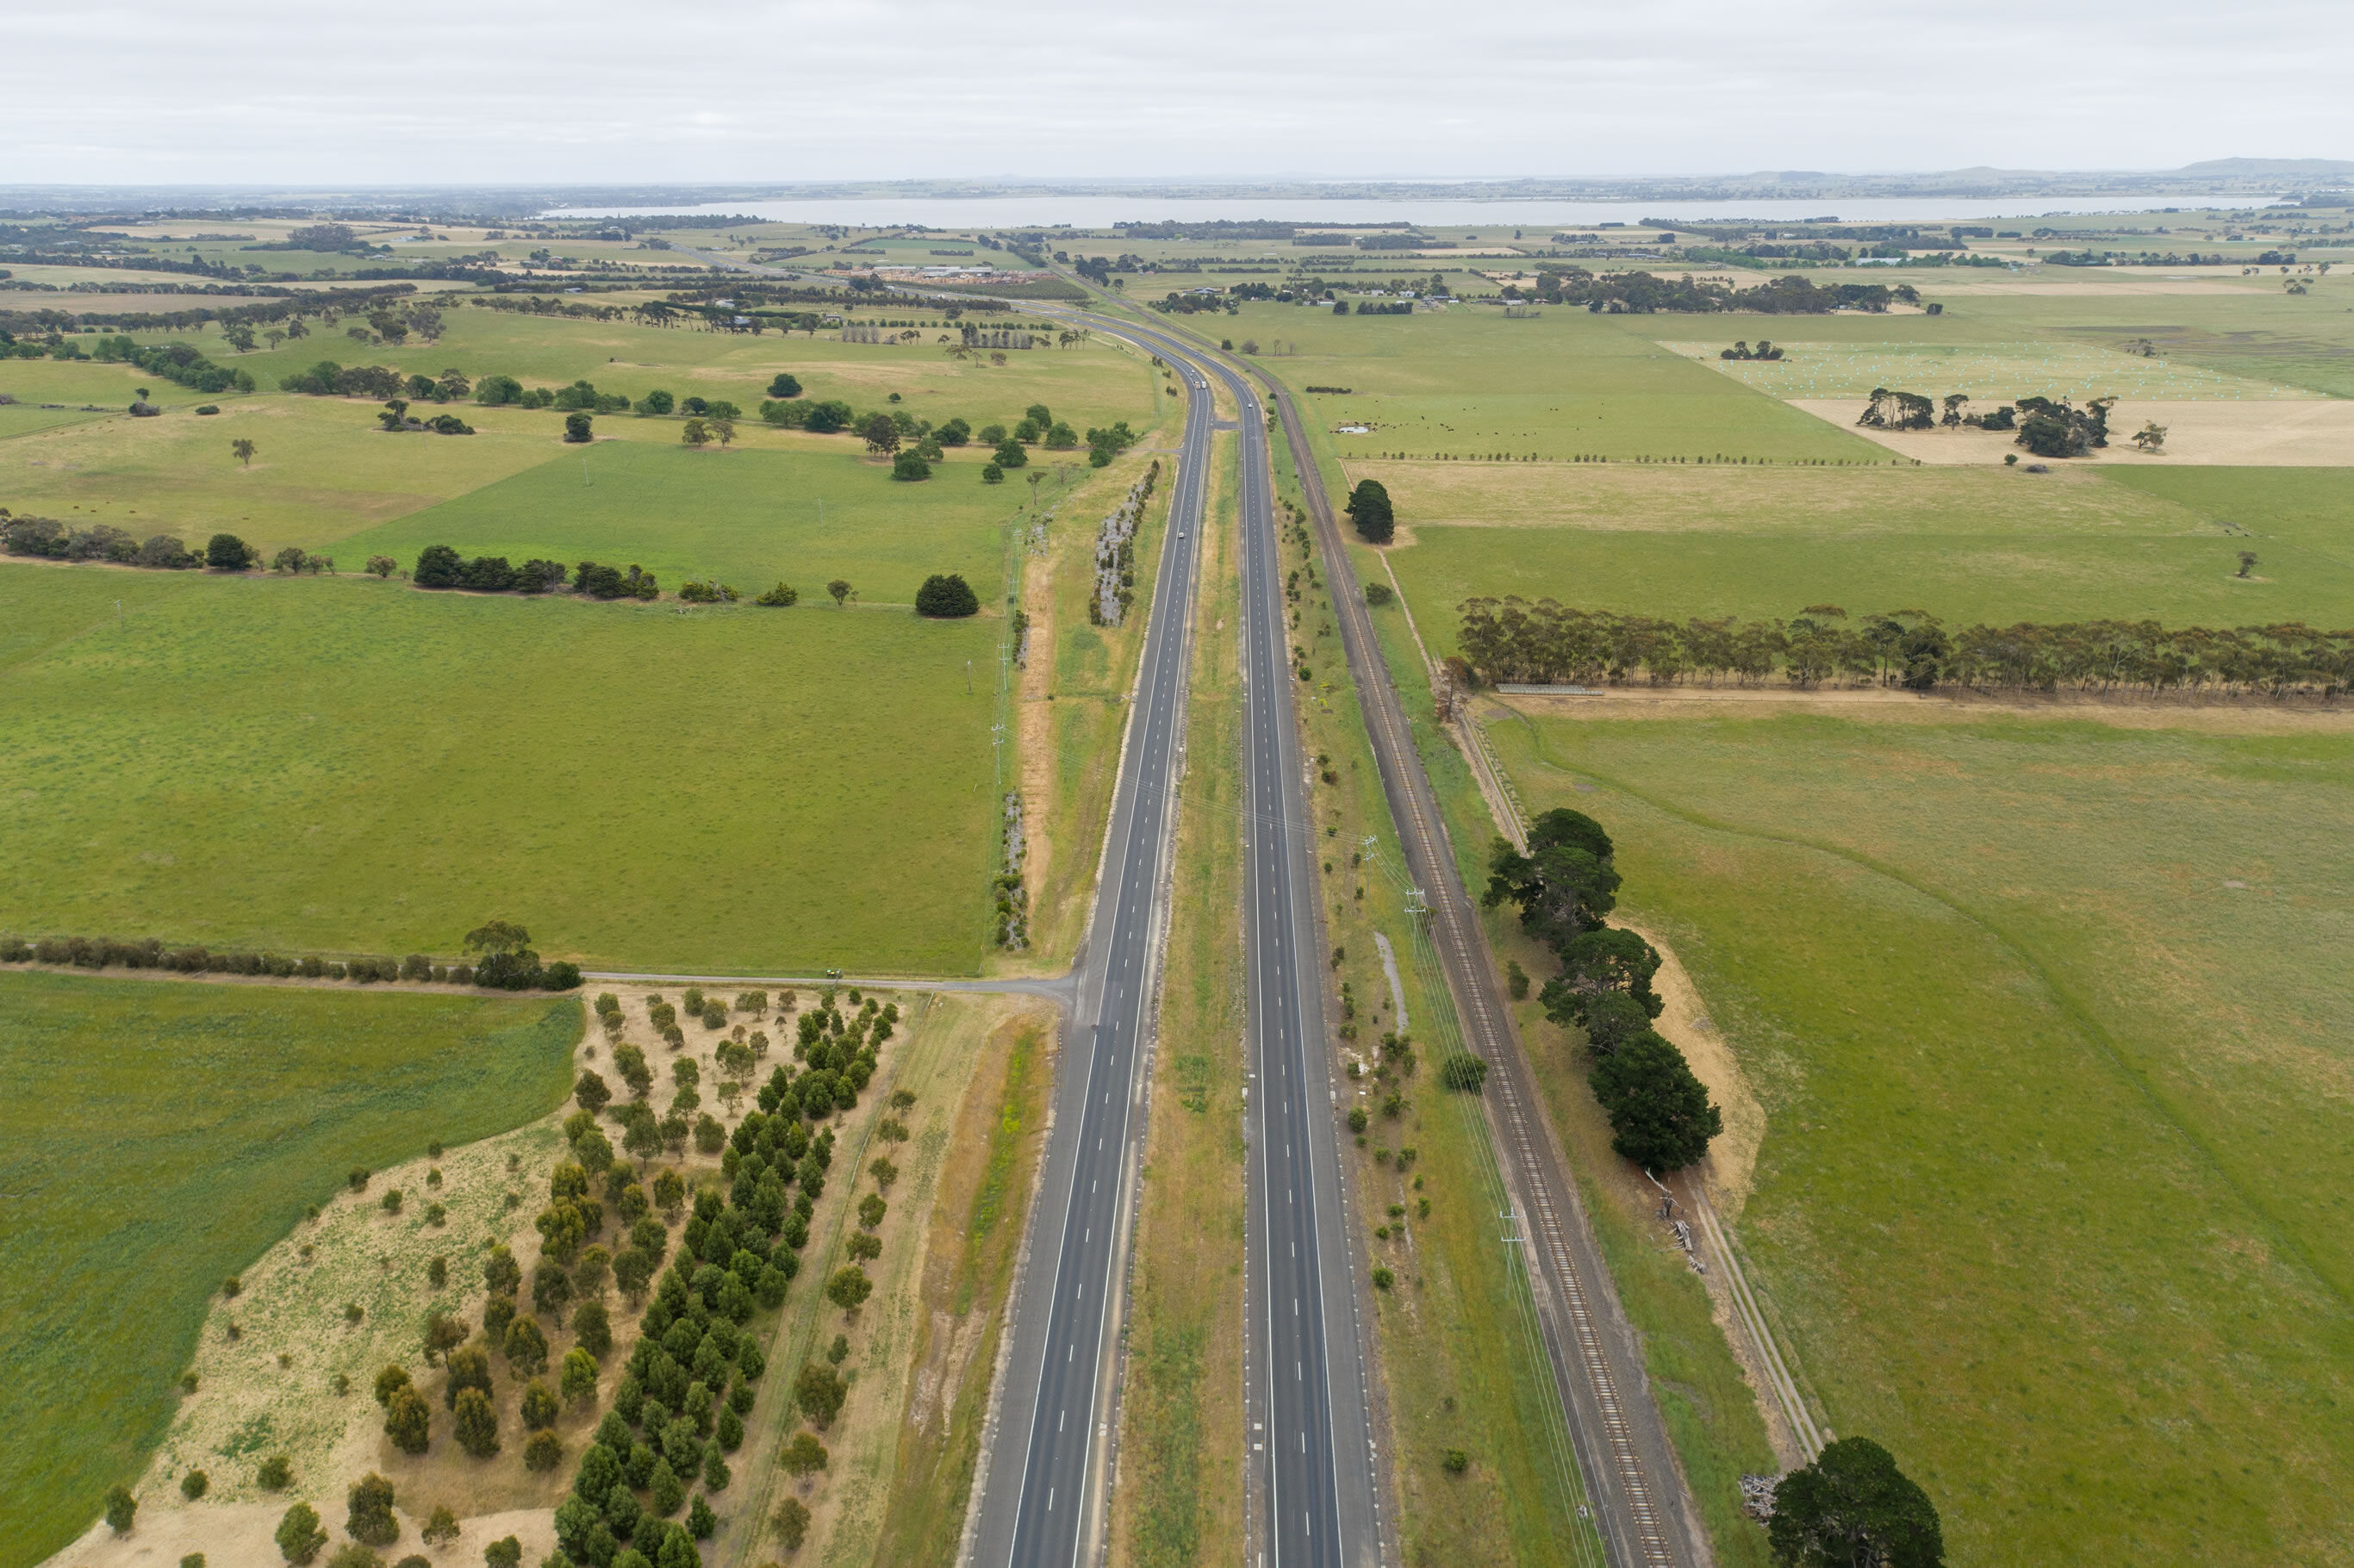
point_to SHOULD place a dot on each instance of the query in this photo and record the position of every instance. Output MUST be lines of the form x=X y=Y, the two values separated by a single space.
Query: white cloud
x=732 y=90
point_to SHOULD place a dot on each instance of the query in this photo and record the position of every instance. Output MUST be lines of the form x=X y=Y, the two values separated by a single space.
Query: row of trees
x=176 y=362
x=1565 y=887
x=1510 y=640
x=511 y=966
x=686 y=1386
x=1640 y=292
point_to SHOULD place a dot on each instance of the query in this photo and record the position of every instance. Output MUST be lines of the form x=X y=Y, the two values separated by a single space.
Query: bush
x=299 y=1535
x=409 y=1421
x=910 y=467
x=276 y=1473
x=1378 y=594
x=369 y=1518
x=576 y=427
x=1456 y=1461
x=1358 y=1120
x=992 y=474
x=539 y=1406
x=228 y=553
x=947 y=598
x=195 y=1483
x=477 y=1423
x=849 y=1288
x=543 y=1452
x=1384 y=1278
x=1464 y=1072
x=783 y=595
x=122 y=1508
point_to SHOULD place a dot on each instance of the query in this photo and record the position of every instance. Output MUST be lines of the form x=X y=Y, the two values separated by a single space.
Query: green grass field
x=344 y=764
x=1469 y=382
x=158 y=1138
x=2050 y=1028
x=1995 y=545
x=807 y=513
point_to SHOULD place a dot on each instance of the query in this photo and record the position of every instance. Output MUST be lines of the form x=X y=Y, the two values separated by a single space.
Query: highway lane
x=1041 y=1502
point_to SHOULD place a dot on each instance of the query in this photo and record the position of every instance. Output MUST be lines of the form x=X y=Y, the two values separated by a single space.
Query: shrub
x=910 y=467
x=276 y=1473
x=543 y=1452
x=369 y=1519
x=1384 y=1278
x=576 y=427
x=947 y=598
x=122 y=1508
x=409 y=1421
x=477 y=1423
x=352 y=1554
x=228 y=553
x=525 y=1346
x=793 y=1521
x=1464 y=1072
x=195 y=1483
x=1378 y=594
x=1358 y=1120
x=470 y=1365
x=539 y=1406
x=781 y=596
x=1456 y=1461
x=989 y=474
x=299 y=1535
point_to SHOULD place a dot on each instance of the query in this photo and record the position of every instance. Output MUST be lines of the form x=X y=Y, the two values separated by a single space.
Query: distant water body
x=1449 y=217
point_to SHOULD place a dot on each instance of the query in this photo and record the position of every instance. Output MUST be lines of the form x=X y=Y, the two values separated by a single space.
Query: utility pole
x=968 y=677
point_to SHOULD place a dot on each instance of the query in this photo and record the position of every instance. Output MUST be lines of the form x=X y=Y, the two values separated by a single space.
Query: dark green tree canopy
x=947 y=598
x=1598 y=961
x=1660 y=1114
x=1563 y=826
x=1562 y=889
x=228 y=553
x=1368 y=508
x=1850 y=1507
x=784 y=386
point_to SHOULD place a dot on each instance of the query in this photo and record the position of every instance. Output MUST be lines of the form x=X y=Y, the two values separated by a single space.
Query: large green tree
x=1660 y=1113
x=1853 y=1507
x=1368 y=508
x=947 y=598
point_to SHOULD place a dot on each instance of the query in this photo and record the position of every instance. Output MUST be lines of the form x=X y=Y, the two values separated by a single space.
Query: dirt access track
x=2300 y=434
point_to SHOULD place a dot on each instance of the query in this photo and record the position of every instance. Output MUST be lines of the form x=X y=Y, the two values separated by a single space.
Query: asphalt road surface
x=1043 y=1505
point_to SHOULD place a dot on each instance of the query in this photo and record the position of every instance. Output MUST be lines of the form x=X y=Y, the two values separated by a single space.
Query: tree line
x=498 y=956
x=1641 y=293
x=1565 y=885
x=1512 y=639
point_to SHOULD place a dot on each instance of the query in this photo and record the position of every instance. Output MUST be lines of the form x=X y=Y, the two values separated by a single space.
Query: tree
x=578 y=1381
x=228 y=553
x=195 y=1483
x=947 y=598
x=243 y=451
x=122 y=1508
x=592 y=1328
x=502 y=1275
x=992 y=474
x=409 y=1421
x=1562 y=888
x=911 y=468
x=724 y=427
x=1368 y=508
x=2247 y=562
x=819 y=1391
x=505 y=1553
x=470 y=1368
x=694 y=433
x=1597 y=962
x=849 y=1288
x=382 y=565
x=1611 y=1019
x=477 y=1423
x=667 y=1489
x=299 y=1535
x=439 y=567
x=525 y=1346
x=880 y=432
x=540 y=1408
x=1009 y=454
x=792 y=1522
x=543 y=1452
x=370 y=1517
x=390 y=1382
x=784 y=386
x=1853 y=1505
x=1660 y=1113
x=803 y=1454
x=575 y=428
x=841 y=590
x=497 y=937
x=591 y=1091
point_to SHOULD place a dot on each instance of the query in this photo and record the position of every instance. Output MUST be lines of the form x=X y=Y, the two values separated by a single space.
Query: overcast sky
x=730 y=90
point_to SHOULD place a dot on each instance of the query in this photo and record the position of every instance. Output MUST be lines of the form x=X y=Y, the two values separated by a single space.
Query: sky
x=594 y=92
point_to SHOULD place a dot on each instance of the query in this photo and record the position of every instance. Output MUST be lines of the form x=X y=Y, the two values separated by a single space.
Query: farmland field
x=323 y=763
x=159 y=1137
x=1966 y=545
x=2041 y=1013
